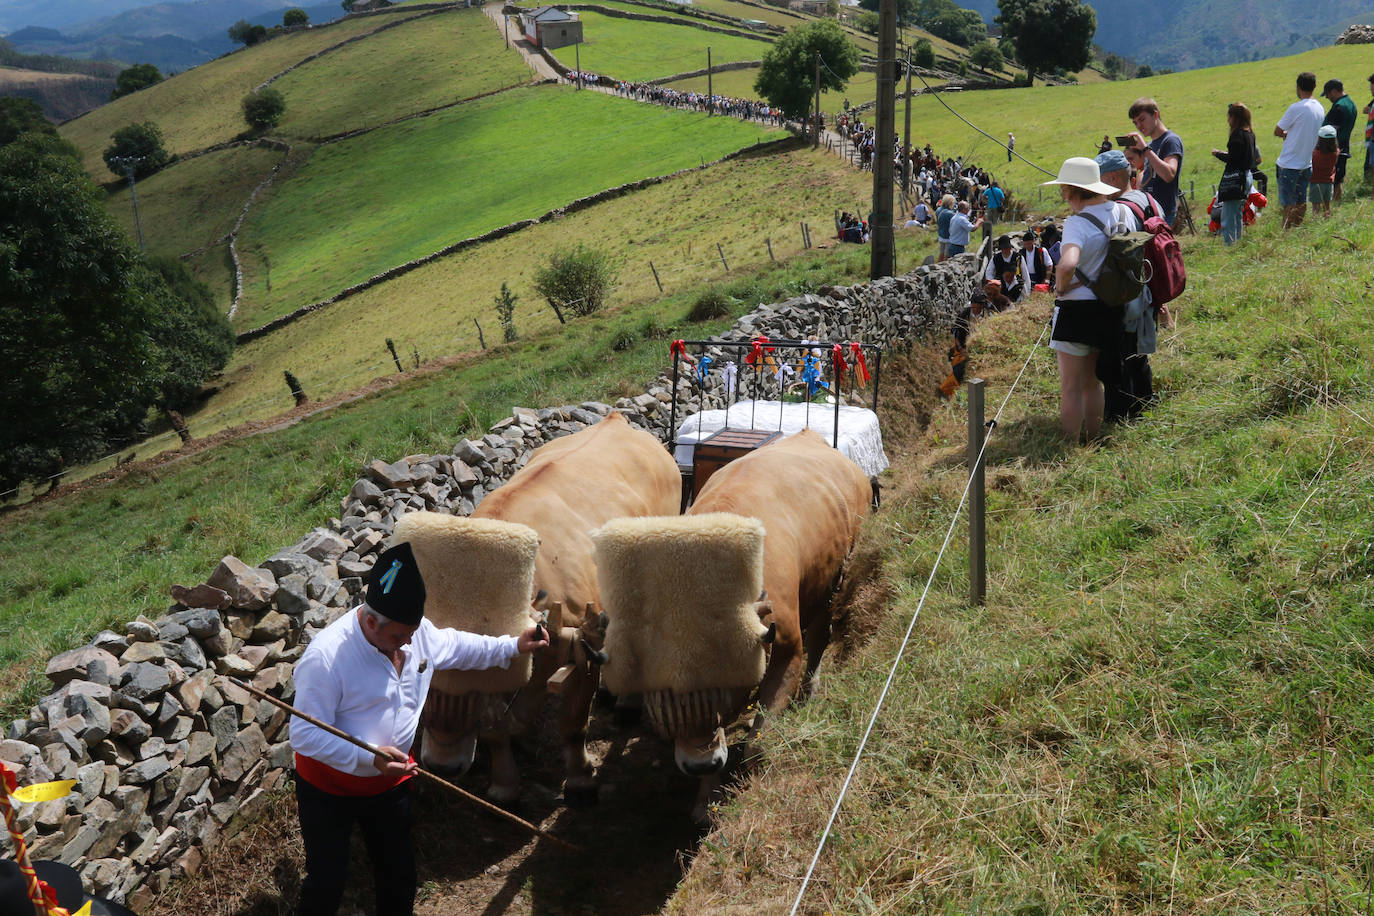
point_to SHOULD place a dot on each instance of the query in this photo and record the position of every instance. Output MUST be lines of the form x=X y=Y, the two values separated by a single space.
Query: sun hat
x=1113 y=160
x=1082 y=172
x=1327 y=131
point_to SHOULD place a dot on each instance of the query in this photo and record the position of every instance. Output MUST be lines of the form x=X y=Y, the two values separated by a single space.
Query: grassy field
x=1055 y=122
x=1165 y=706
x=200 y=107
x=454 y=56
x=361 y=205
x=99 y=557
x=740 y=84
x=634 y=50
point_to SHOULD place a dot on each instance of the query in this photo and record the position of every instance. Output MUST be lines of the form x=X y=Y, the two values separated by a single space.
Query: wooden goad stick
x=481 y=802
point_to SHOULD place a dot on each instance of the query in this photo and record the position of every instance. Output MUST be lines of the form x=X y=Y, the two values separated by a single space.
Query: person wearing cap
x=1325 y=158
x=1298 y=128
x=1125 y=373
x=1036 y=266
x=1082 y=325
x=367 y=673
x=1341 y=116
x=1005 y=266
x=1241 y=155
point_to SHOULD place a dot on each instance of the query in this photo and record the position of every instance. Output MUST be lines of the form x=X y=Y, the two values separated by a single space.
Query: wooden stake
x=338 y=733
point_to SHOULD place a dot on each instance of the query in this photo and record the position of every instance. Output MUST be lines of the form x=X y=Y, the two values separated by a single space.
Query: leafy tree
x=295 y=16
x=832 y=8
x=786 y=76
x=923 y=53
x=963 y=27
x=1144 y=71
x=139 y=76
x=867 y=22
x=245 y=33
x=986 y=56
x=576 y=280
x=263 y=109
x=142 y=142
x=198 y=339
x=347 y=5
x=1049 y=34
x=91 y=336
x=505 y=311
x=1113 y=66
x=22 y=116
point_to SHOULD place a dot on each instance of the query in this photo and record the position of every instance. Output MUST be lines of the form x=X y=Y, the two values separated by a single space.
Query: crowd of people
x=744 y=109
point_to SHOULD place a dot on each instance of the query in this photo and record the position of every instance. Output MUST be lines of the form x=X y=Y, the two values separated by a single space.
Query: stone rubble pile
x=170 y=757
x=1356 y=35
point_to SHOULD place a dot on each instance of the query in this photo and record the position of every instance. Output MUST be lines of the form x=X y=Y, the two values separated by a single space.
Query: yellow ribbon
x=44 y=791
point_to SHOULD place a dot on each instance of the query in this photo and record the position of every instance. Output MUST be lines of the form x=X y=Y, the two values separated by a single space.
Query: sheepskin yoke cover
x=680 y=593
x=479 y=577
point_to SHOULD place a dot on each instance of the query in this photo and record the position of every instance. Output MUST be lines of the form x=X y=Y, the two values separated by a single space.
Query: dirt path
x=532 y=57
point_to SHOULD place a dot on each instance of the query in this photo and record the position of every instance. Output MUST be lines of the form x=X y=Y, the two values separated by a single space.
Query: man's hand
x=531 y=639
x=1137 y=141
x=393 y=761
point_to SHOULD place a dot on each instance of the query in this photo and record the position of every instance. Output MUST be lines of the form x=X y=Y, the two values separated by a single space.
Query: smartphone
x=1125 y=141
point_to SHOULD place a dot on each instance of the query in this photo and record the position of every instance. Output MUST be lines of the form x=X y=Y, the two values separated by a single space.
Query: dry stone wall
x=171 y=757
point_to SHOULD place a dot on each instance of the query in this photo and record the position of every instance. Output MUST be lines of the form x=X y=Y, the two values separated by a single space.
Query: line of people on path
x=744 y=109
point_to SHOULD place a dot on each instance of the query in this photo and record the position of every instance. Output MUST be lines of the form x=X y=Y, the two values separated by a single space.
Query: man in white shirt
x=358 y=676
x=1298 y=128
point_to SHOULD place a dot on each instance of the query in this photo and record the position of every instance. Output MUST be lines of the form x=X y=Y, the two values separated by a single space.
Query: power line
x=935 y=92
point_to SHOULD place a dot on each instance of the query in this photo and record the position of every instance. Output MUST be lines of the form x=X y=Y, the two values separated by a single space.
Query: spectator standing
x=960 y=228
x=1326 y=157
x=1161 y=158
x=1011 y=144
x=1342 y=117
x=1298 y=128
x=1006 y=267
x=1241 y=155
x=1125 y=372
x=944 y=215
x=1083 y=325
x=993 y=198
x=1036 y=265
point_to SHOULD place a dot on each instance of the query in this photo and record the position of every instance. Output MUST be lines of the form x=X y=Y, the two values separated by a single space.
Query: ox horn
x=595 y=656
x=770 y=635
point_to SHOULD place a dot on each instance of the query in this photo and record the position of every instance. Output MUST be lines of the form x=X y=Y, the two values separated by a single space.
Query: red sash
x=336 y=782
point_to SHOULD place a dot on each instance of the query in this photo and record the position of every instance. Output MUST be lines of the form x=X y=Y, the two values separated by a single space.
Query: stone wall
x=171 y=758
x=1356 y=35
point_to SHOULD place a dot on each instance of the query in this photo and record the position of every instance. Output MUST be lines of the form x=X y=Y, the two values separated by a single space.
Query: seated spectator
x=922 y=214
x=997 y=300
x=1006 y=267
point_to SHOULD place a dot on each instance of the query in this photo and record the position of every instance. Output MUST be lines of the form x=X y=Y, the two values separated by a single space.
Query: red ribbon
x=755 y=357
x=856 y=352
x=838 y=359
x=678 y=348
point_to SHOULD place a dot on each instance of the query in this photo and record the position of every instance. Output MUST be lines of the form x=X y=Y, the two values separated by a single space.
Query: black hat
x=1004 y=241
x=64 y=881
x=1028 y=235
x=395 y=588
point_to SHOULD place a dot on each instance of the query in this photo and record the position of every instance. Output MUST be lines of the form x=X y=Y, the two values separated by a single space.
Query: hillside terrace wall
x=170 y=759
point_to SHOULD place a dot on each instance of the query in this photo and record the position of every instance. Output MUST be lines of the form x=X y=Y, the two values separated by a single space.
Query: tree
x=245 y=33
x=963 y=27
x=263 y=109
x=986 y=56
x=1113 y=66
x=786 y=76
x=867 y=22
x=140 y=142
x=1049 y=34
x=139 y=76
x=577 y=280
x=91 y=336
x=294 y=17
x=923 y=53
x=1144 y=71
x=22 y=116
x=505 y=312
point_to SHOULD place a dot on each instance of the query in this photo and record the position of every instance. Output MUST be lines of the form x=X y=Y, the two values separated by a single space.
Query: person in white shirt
x=358 y=676
x=1083 y=326
x=1298 y=128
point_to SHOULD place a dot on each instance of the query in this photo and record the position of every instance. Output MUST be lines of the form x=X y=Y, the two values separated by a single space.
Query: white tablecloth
x=860 y=438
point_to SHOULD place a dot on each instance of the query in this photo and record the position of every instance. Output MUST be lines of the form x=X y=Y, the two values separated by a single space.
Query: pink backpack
x=1168 y=277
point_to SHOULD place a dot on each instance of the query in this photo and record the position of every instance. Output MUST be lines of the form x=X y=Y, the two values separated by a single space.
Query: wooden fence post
x=977 y=530
x=392 y=347
x=721 y=252
x=656 y=279
x=480 y=338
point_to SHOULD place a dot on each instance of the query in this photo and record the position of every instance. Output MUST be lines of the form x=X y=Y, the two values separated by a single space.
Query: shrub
x=263 y=109
x=505 y=311
x=710 y=305
x=295 y=16
x=576 y=280
x=245 y=33
x=140 y=143
x=139 y=76
x=923 y=53
x=623 y=340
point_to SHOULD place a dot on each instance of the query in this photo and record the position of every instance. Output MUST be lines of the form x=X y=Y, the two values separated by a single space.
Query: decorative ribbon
x=861 y=375
x=837 y=356
x=703 y=366
x=755 y=357
x=811 y=375
x=43 y=897
x=678 y=348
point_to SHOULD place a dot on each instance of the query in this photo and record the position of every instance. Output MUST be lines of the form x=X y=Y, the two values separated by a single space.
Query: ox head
x=685 y=627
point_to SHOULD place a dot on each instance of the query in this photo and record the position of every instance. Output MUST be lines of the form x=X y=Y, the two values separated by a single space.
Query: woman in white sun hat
x=1083 y=326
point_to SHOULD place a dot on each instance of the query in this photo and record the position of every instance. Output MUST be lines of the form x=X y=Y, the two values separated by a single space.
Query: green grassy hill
x=635 y=50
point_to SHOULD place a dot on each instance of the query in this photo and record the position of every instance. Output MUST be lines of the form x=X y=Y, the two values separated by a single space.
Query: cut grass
x=200 y=107
x=363 y=205
x=445 y=58
x=631 y=49
x=1165 y=705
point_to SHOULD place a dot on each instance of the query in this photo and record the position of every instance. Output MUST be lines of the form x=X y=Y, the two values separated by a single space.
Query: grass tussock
x=1164 y=706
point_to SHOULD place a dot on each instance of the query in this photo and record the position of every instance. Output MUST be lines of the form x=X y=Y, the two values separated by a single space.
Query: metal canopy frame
x=793 y=347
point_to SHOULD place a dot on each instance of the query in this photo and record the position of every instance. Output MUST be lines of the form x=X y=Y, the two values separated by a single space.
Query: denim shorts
x=1293 y=186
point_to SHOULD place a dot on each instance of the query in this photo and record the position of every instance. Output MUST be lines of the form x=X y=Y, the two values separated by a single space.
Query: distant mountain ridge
x=1190 y=34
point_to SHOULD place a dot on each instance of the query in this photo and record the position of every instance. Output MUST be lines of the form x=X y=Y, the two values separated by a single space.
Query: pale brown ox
x=569 y=487
x=811 y=500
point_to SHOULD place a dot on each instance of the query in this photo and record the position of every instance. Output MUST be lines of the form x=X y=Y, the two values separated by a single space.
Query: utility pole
x=817 y=114
x=883 y=252
x=128 y=164
x=906 y=137
x=710 y=93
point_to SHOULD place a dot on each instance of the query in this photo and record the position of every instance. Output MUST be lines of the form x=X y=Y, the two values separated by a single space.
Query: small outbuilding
x=549 y=27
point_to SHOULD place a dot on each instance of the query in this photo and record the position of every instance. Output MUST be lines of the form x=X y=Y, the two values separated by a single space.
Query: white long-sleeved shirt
x=344 y=680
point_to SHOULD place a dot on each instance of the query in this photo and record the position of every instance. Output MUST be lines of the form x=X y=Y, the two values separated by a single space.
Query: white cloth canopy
x=860 y=438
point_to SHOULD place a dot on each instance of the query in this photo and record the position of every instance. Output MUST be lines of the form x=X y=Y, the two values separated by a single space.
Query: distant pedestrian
x=1106 y=144
x=1242 y=156
x=1298 y=128
x=1161 y=159
x=1011 y=144
x=1325 y=157
x=1342 y=117
x=993 y=198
